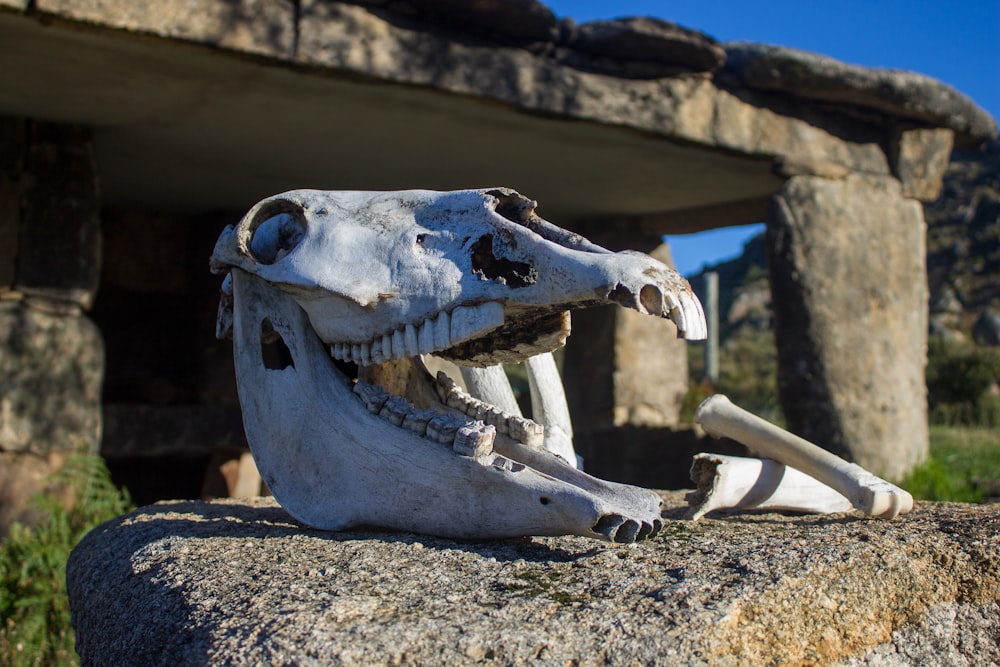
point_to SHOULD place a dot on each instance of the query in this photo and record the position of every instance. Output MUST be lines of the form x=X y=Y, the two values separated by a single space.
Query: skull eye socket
x=275 y=231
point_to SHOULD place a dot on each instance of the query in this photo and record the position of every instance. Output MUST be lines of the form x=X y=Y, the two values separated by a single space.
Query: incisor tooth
x=366 y=354
x=387 y=346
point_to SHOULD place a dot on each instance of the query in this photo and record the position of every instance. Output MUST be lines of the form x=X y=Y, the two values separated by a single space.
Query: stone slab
x=239 y=583
x=263 y=27
x=898 y=93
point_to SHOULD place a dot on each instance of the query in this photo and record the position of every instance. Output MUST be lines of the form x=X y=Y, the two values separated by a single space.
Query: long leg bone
x=736 y=482
x=549 y=408
x=870 y=494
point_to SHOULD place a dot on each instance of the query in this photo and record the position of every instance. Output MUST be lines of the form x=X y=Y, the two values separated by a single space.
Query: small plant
x=964 y=465
x=961 y=380
x=34 y=609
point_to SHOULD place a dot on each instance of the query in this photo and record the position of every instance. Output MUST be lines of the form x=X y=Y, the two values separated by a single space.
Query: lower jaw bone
x=333 y=465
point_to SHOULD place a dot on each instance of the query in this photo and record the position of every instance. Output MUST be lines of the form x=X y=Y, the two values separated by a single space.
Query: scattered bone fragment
x=741 y=483
x=870 y=494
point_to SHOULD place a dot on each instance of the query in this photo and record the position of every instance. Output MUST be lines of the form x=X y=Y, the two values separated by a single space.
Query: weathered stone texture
x=239 y=583
x=919 y=158
x=850 y=298
x=59 y=232
x=265 y=27
x=502 y=21
x=643 y=47
x=625 y=368
x=897 y=93
x=22 y=476
x=51 y=368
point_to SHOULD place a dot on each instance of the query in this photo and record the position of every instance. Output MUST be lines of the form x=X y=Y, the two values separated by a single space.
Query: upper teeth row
x=437 y=333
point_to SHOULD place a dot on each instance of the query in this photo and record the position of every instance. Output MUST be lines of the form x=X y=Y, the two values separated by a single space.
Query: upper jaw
x=487 y=333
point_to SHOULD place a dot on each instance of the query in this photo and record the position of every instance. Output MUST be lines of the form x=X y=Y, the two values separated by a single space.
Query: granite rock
x=238 y=582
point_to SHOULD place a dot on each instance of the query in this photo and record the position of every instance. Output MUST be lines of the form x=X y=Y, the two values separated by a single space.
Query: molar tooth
x=387 y=346
x=527 y=432
x=356 y=353
x=470 y=321
x=372 y=396
x=444 y=386
x=417 y=420
x=425 y=337
x=395 y=410
x=442 y=428
x=366 y=354
x=442 y=331
x=398 y=347
x=475 y=439
x=410 y=338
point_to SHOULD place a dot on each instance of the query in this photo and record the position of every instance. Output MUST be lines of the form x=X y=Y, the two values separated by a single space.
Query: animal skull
x=320 y=282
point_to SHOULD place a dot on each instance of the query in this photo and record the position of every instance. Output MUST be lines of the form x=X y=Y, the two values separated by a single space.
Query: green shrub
x=963 y=465
x=959 y=383
x=34 y=610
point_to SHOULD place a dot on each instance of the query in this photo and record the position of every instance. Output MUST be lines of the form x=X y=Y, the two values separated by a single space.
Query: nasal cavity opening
x=273 y=351
x=503 y=270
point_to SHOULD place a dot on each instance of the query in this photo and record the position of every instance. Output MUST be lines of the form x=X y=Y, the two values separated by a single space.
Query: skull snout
x=666 y=295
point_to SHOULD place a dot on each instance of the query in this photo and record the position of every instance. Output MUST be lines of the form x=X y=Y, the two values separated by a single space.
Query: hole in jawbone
x=510 y=273
x=273 y=351
x=545 y=501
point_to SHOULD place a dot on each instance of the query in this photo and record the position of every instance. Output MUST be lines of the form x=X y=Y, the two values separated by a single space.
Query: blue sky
x=956 y=41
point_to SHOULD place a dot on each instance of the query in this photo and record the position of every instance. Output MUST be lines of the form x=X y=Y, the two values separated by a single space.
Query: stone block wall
x=51 y=354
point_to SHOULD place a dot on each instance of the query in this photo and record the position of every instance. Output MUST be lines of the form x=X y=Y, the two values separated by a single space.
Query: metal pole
x=712 y=317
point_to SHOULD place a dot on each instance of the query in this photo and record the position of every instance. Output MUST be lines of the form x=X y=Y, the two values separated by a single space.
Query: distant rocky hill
x=963 y=260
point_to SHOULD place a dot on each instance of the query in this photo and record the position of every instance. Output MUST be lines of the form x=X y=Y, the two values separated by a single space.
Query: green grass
x=964 y=462
x=35 y=625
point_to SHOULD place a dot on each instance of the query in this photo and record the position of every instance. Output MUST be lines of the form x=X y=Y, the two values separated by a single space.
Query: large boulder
x=240 y=583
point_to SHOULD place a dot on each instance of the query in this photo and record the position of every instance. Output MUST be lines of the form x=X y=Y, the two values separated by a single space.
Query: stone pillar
x=849 y=288
x=624 y=368
x=51 y=355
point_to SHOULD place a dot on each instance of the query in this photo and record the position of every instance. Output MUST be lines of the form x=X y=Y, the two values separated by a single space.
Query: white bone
x=383 y=276
x=549 y=408
x=870 y=494
x=490 y=385
x=735 y=482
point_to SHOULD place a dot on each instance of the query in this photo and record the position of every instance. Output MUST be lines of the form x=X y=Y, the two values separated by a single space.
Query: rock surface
x=240 y=583
x=51 y=367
